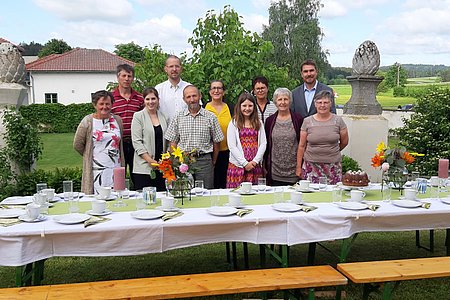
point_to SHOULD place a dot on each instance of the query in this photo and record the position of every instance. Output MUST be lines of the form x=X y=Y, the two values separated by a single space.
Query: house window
x=51 y=98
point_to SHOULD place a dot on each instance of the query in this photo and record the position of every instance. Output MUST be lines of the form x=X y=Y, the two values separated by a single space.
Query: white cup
x=98 y=206
x=104 y=192
x=296 y=197
x=50 y=193
x=168 y=202
x=40 y=199
x=246 y=187
x=303 y=185
x=356 y=195
x=33 y=210
x=234 y=199
x=410 y=194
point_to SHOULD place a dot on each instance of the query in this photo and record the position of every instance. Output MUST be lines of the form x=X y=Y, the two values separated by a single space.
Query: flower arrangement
x=176 y=164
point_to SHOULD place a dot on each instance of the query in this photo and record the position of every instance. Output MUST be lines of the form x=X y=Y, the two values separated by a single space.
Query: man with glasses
x=265 y=107
x=303 y=95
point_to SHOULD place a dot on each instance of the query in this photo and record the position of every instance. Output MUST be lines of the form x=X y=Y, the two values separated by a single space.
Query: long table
x=124 y=235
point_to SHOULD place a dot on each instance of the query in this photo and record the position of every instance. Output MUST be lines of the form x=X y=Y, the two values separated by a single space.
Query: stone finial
x=12 y=65
x=366 y=60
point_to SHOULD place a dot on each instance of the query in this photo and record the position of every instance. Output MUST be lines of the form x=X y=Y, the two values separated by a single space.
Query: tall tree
x=295 y=34
x=54 y=46
x=130 y=51
x=395 y=76
x=223 y=49
x=150 y=71
x=31 y=49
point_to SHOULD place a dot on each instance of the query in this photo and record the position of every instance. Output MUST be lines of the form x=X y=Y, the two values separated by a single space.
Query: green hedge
x=56 y=118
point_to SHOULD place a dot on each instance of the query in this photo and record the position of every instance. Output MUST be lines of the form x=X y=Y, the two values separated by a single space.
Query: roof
x=79 y=60
x=2 y=40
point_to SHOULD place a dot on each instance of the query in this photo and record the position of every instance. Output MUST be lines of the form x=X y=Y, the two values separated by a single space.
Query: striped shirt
x=125 y=109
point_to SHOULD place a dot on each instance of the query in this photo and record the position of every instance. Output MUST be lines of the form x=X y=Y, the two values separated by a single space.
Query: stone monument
x=362 y=113
x=12 y=79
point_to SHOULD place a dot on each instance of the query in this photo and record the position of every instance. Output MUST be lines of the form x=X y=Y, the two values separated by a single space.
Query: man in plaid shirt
x=197 y=129
x=126 y=102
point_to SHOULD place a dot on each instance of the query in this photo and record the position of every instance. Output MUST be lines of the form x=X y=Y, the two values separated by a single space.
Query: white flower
x=385 y=166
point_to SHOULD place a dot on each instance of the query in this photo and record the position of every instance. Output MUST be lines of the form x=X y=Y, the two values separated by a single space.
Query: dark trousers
x=128 y=152
x=220 y=170
x=144 y=180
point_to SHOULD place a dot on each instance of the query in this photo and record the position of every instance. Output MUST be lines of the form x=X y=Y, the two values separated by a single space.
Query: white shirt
x=171 y=98
x=309 y=95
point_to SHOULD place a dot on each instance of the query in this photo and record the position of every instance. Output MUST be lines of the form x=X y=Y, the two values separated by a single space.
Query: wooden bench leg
x=30 y=274
x=431 y=241
x=447 y=240
x=311 y=253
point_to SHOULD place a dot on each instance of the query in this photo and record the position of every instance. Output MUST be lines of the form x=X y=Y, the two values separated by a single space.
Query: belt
x=201 y=154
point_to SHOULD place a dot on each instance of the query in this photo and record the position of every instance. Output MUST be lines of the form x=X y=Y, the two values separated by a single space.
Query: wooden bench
x=183 y=286
x=391 y=272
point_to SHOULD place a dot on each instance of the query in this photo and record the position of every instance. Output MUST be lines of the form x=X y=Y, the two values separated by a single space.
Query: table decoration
x=176 y=169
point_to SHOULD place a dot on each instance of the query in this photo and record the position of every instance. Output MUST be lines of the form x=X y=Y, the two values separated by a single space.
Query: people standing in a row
x=126 y=102
x=223 y=111
x=264 y=107
x=283 y=135
x=322 y=138
x=99 y=140
x=247 y=143
x=171 y=91
x=303 y=95
x=197 y=129
x=147 y=131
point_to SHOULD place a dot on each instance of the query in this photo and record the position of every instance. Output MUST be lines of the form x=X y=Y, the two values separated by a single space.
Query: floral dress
x=106 y=150
x=235 y=175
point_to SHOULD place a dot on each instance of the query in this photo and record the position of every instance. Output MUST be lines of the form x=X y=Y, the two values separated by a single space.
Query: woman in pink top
x=322 y=137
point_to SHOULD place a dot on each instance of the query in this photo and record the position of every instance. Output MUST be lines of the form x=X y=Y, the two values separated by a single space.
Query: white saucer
x=112 y=197
x=17 y=200
x=25 y=218
x=147 y=214
x=11 y=213
x=308 y=190
x=268 y=189
x=56 y=199
x=352 y=205
x=221 y=211
x=407 y=203
x=103 y=213
x=286 y=207
x=168 y=209
x=251 y=192
x=74 y=218
x=242 y=205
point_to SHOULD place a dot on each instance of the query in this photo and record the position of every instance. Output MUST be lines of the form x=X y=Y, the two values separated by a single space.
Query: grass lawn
x=58 y=152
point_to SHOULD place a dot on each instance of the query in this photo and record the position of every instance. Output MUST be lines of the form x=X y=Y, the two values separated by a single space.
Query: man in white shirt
x=171 y=91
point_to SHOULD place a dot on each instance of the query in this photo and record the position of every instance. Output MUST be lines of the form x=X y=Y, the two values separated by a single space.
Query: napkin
x=171 y=215
x=307 y=208
x=373 y=207
x=95 y=220
x=426 y=205
x=9 y=222
x=242 y=212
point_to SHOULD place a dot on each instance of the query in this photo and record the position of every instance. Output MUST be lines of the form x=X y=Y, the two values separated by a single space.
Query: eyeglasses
x=217 y=88
x=260 y=89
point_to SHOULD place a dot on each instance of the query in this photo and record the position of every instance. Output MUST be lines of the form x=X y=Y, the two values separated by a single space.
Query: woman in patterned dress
x=247 y=143
x=98 y=140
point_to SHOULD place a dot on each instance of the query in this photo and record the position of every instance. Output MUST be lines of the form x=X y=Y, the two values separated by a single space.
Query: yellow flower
x=165 y=155
x=416 y=154
x=176 y=152
x=381 y=147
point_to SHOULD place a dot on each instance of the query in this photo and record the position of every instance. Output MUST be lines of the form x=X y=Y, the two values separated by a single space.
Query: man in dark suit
x=302 y=96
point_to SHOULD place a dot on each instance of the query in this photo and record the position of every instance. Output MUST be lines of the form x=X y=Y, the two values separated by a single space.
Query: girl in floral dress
x=246 y=140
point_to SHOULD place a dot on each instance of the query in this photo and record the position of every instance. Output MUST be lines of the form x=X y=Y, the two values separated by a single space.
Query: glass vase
x=180 y=188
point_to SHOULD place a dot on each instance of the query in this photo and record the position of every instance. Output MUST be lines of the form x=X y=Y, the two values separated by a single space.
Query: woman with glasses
x=322 y=137
x=223 y=112
x=264 y=107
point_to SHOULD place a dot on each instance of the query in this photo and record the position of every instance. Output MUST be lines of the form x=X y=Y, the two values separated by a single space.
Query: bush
x=349 y=164
x=399 y=91
x=428 y=130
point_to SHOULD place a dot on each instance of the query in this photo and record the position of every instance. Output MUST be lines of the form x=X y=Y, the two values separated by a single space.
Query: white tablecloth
x=124 y=235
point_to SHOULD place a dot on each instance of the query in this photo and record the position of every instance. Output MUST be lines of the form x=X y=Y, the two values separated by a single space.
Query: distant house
x=71 y=77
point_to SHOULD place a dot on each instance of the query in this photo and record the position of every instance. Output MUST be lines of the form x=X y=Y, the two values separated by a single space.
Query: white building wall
x=70 y=87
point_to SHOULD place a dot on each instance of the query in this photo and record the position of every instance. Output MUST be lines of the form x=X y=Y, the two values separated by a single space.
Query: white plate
x=71 y=218
x=25 y=218
x=203 y=191
x=308 y=190
x=17 y=200
x=352 y=187
x=352 y=205
x=11 y=212
x=147 y=214
x=80 y=195
x=242 y=205
x=406 y=203
x=286 y=207
x=268 y=189
x=112 y=197
x=445 y=200
x=56 y=199
x=251 y=192
x=103 y=213
x=168 y=209
x=222 y=210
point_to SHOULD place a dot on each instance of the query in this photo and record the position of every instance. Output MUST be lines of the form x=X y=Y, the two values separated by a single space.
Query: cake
x=355 y=178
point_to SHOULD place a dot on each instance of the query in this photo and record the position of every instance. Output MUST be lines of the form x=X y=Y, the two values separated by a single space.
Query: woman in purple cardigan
x=283 y=135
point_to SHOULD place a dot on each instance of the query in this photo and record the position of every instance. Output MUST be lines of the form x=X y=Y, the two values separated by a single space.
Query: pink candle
x=119 y=178
x=443 y=168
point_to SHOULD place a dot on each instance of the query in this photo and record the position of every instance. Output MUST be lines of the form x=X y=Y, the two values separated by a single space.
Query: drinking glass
x=149 y=195
x=386 y=193
x=336 y=194
x=68 y=190
x=140 y=203
x=198 y=188
x=262 y=184
x=323 y=180
x=214 y=196
x=123 y=194
x=40 y=187
x=278 y=194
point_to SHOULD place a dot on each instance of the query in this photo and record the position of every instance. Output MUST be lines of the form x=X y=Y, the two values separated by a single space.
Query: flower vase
x=180 y=188
x=396 y=178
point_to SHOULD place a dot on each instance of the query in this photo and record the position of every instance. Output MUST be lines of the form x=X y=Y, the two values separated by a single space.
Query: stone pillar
x=363 y=100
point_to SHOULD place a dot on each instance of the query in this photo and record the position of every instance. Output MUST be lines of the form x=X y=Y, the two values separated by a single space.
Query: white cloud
x=333 y=9
x=254 y=22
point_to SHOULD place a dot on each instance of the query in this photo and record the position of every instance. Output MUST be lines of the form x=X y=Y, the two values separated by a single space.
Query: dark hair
x=322 y=95
x=217 y=80
x=239 y=117
x=260 y=79
x=125 y=67
x=102 y=94
x=150 y=90
x=172 y=56
x=308 y=62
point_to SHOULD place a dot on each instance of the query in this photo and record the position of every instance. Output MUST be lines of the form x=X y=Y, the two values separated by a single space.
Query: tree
x=223 y=49
x=445 y=75
x=130 y=51
x=54 y=46
x=31 y=49
x=295 y=34
x=150 y=71
x=395 y=76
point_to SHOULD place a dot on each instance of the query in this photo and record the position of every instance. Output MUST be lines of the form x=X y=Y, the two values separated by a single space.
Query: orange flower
x=408 y=158
x=377 y=160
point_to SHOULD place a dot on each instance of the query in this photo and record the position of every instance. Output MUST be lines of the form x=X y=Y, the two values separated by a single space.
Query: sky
x=408 y=31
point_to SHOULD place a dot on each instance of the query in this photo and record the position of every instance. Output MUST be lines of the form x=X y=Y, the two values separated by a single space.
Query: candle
x=119 y=178
x=443 y=168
